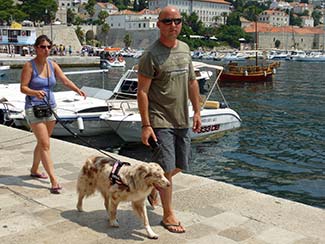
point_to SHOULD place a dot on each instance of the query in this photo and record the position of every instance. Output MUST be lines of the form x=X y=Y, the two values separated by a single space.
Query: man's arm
x=143 y=105
x=194 y=95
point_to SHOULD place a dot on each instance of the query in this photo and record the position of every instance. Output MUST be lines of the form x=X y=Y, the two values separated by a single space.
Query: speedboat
x=79 y=115
x=124 y=118
x=106 y=63
x=3 y=69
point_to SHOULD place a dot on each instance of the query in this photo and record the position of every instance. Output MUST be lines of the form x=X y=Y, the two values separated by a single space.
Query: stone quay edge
x=211 y=211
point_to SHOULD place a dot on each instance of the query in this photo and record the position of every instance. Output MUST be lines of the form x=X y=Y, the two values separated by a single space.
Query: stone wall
x=290 y=41
x=140 y=38
x=61 y=34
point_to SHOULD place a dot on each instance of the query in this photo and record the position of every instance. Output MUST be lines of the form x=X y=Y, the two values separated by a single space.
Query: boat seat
x=211 y=104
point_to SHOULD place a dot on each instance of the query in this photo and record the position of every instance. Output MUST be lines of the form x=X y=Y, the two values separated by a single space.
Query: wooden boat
x=248 y=73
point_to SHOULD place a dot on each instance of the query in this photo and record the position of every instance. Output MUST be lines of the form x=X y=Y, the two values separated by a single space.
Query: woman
x=38 y=78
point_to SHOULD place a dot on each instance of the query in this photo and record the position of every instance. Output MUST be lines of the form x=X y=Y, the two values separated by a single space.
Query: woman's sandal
x=56 y=190
x=39 y=176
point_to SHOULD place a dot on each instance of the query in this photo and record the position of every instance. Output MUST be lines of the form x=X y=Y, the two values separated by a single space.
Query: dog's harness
x=114 y=177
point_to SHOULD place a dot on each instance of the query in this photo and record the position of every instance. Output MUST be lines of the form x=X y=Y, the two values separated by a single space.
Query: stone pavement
x=211 y=211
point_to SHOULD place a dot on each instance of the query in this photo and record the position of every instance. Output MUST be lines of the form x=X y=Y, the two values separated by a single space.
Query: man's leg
x=169 y=219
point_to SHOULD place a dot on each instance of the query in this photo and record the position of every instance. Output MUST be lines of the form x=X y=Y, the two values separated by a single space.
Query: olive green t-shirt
x=171 y=70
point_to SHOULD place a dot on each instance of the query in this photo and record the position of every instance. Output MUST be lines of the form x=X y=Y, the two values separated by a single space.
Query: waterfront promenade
x=211 y=211
x=17 y=61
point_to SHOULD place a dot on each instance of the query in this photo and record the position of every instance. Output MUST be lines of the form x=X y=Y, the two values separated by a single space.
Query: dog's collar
x=114 y=177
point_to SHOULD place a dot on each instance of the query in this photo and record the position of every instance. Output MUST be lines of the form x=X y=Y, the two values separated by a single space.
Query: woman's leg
x=43 y=132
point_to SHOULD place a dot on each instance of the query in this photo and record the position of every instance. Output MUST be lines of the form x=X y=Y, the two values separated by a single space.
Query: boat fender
x=246 y=73
x=223 y=105
x=274 y=71
x=265 y=73
x=81 y=126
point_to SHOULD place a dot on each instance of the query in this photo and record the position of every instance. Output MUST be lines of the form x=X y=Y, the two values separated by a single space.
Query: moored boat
x=217 y=117
x=248 y=73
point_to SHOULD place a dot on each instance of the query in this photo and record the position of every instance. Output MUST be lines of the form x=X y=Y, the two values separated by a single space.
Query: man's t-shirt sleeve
x=146 y=66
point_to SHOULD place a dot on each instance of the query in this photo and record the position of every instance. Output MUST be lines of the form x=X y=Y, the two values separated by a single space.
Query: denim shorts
x=31 y=119
x=174 y=150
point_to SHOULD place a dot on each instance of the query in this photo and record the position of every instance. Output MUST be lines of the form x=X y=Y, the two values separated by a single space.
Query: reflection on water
x=279 y=149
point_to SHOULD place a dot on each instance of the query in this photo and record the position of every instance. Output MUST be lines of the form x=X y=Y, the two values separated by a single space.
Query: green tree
x=127 y=40
x=231 y=34
x=102 y=16
x=80 y=34
x=138 y=5
x=317 y=15
x=9 y=12
x=194 y=23
x=90 y=7
x=234 y=18
x=277 y=44
x=70 y=16
x=39 y=10
x=121 y=4
x=105 y=28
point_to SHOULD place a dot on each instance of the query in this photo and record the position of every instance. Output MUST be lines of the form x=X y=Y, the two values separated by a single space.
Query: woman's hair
x=41 y=39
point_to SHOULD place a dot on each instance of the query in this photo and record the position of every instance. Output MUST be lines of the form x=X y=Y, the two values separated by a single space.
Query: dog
x=133 y=183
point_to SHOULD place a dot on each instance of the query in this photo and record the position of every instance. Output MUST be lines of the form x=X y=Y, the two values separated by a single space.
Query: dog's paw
x=79 y=208
x=153 y=236
x=114 y=223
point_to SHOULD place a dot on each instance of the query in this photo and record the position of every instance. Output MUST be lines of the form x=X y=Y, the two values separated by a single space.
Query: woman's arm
x=65 y=80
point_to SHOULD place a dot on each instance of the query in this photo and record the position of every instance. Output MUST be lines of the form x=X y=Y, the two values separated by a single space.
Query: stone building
x=274 y=17
x=206 y=10
x=290 y=37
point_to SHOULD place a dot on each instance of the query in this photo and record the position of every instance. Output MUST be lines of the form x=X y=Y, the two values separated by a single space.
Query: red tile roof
x=264 y=27
x=215 y=1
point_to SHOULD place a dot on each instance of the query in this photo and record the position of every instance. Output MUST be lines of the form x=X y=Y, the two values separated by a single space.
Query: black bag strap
x=48 y=83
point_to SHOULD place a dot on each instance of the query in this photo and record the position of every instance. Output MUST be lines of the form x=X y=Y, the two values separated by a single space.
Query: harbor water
x=280 y=148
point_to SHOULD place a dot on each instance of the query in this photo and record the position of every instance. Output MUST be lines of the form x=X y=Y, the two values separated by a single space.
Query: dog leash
x=75 y=134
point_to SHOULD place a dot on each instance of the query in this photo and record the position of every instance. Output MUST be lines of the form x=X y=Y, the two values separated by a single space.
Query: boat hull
x=214 y=121
x=262 y=77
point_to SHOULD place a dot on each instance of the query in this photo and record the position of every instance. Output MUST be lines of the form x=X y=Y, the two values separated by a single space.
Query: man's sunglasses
x=44 y=46
x=170 y=21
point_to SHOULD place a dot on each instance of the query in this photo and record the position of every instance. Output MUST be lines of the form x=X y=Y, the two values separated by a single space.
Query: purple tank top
x=40 y=83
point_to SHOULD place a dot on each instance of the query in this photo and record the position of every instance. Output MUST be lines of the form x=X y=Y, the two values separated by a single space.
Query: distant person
x=38 y=78
x=166 y=82
x=70 y=50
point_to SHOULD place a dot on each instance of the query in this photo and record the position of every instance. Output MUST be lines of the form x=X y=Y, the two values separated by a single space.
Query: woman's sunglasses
x=170 y=21
x=44 y=46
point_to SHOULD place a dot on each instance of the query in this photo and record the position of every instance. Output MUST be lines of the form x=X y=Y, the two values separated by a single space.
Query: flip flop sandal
x=56 y=190
x=168 y=227
x=39 y=176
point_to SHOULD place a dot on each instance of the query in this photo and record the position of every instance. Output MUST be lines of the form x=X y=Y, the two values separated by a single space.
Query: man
x=166 y=82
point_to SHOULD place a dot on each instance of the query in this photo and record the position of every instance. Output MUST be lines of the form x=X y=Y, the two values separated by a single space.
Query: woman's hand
x=81 y=93
x=40 y=94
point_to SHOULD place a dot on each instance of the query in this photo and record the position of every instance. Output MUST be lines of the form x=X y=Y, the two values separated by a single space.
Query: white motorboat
x=277 y=55
x=118 y=62
x=80 y=115
x=125 y=119
x=3 y=69
x=311 y=57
